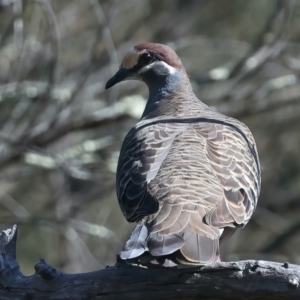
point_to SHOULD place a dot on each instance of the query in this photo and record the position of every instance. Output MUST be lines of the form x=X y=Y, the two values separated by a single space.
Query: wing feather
x=141 y=156
x=235 y=167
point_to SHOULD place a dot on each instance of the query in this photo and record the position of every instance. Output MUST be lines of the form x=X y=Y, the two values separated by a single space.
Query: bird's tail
x=172 y=250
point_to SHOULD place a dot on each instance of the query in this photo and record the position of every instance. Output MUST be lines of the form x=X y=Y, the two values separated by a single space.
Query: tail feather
x=161 y=245
x=136 y=245
x=199 y=249
x=184 y=248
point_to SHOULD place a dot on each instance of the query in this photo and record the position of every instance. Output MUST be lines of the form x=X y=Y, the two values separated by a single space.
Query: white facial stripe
x=169 y=69
x=130 y=59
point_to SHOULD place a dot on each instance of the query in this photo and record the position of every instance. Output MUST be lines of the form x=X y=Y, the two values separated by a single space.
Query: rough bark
x=227 y=280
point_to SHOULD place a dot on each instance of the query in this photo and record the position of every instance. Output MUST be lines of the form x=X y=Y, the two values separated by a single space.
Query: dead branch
x=227 y=280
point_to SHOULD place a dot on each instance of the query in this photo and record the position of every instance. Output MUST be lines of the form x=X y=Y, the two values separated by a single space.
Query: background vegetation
x=61 y=132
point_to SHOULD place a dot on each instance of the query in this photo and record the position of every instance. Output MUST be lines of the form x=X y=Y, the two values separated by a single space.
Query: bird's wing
x=234 y=160
x=142 y=153
x=210 y=172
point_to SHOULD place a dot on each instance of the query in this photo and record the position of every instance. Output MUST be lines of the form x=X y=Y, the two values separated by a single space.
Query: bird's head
x=155 y=64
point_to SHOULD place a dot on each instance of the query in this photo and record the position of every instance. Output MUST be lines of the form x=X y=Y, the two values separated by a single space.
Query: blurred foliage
x=60 y=132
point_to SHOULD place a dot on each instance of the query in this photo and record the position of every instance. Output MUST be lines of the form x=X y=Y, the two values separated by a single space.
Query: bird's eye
x=146 y=58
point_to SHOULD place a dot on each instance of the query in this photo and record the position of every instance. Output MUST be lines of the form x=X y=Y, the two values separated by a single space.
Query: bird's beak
x=121 y=75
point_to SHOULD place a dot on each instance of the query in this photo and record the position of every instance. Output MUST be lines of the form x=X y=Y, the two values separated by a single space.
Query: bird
x=187 y=175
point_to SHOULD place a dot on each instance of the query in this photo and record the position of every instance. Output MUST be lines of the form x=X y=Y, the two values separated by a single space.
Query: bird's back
x=189 y=177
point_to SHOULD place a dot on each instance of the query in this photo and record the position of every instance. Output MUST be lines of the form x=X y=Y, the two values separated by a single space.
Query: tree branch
x=227 y=280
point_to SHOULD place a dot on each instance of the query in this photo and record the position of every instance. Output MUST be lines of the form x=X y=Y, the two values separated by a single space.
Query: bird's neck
x=170 y=97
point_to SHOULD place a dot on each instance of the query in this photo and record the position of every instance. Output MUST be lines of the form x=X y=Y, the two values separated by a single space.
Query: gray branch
x=228 y=280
